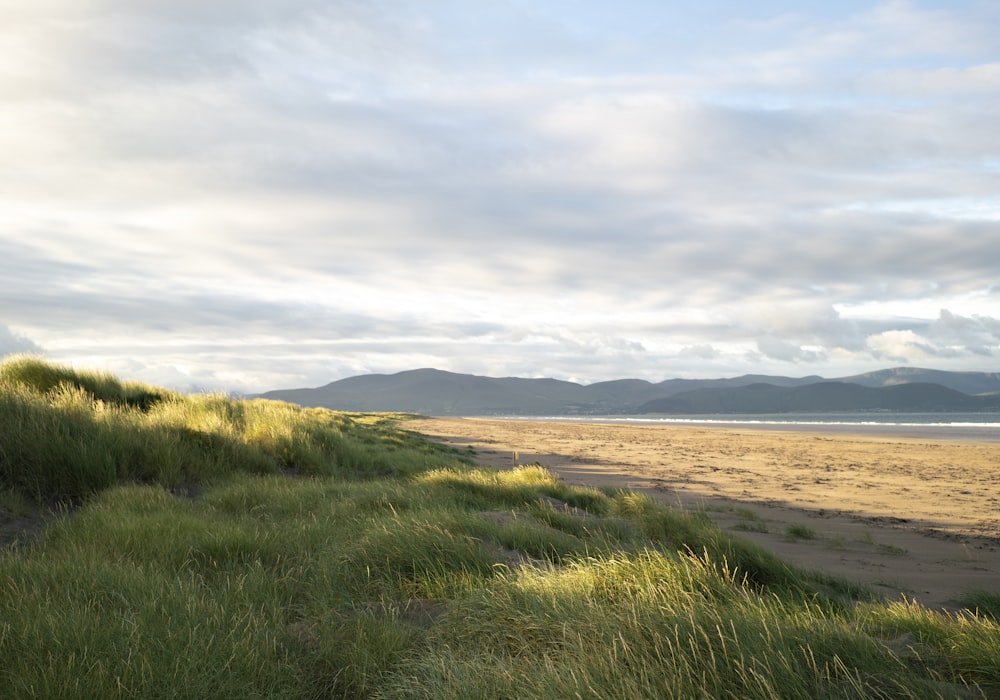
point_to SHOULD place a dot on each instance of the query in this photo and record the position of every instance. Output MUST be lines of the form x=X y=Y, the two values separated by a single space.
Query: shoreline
x=974 y=432
x=908 y=516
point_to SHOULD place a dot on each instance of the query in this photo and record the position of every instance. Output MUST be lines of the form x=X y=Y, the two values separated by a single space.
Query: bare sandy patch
x=908 y=516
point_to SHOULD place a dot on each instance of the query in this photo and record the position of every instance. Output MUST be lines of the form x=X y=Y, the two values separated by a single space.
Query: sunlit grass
x=982 y=602
x=224 y=548
x=70 y=433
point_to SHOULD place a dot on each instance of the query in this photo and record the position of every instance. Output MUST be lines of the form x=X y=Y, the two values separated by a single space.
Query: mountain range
x=438 y=393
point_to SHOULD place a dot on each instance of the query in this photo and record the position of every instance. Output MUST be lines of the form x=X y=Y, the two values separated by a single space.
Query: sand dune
x=908 y=516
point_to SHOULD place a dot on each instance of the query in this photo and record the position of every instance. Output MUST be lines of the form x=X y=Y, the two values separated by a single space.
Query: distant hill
x=821 y=397
x=670 y=387
x=435 y=392
x=966 y=382
x=438 y=393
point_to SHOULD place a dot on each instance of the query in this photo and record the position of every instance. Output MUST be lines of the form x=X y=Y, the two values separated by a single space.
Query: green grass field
x=207 y=547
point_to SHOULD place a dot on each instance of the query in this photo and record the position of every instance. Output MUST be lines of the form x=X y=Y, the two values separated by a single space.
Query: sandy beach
x=907 y=516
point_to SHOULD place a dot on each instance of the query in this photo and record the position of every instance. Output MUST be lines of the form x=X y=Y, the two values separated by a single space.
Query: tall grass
x=41 y=376
x=68 y=434
x=653 y=625
x=253 y=549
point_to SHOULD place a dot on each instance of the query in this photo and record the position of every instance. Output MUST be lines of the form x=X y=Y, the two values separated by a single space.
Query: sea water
x=952 y=426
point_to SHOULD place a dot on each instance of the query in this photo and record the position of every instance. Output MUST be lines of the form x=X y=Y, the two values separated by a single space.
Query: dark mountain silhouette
x=435 y=392
x=965 y=382
x=438 y=393
x=671 y=387
x=821 y=397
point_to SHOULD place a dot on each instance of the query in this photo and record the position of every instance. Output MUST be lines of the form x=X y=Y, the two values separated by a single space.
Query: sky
x=245 y=195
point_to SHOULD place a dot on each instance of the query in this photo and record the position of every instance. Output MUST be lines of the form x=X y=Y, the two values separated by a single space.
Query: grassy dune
x=211 y=547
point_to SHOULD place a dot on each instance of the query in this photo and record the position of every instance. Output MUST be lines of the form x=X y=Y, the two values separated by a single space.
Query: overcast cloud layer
x=259 y=194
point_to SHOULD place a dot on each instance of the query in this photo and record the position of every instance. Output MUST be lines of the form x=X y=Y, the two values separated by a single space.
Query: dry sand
x=907 y=516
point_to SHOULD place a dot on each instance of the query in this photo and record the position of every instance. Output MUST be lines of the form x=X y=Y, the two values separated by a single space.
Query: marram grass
x=218 y=548
x=68 y=434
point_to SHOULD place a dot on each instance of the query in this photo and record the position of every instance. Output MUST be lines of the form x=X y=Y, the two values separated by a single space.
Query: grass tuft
x=984 y=603
x=800 y=532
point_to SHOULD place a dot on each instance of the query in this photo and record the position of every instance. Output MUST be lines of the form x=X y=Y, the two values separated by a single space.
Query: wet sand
x=907 y=516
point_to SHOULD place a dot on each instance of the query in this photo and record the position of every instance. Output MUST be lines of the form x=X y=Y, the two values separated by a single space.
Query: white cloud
x=13 y=343
x=904 y=346
x=271 y=193
x=699 y=352
x=804 y=324
x=950 y=336
x=977 y=334
x=778 y=349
